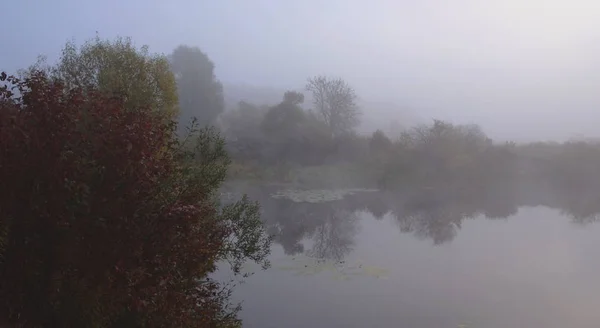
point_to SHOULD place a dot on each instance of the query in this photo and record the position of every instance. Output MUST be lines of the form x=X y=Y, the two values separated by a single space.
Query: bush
x=106 y=219
x=438 y=154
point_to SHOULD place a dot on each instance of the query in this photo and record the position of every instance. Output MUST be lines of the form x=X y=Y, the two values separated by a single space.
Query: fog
x=443 y=156
x=523 y=70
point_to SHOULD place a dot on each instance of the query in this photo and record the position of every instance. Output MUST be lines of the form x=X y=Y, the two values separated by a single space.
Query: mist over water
x=417 y=260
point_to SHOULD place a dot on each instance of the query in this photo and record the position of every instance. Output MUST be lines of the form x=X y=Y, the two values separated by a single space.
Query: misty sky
x=523 y=69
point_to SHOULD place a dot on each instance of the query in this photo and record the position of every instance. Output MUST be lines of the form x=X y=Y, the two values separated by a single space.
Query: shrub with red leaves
x=106 y=220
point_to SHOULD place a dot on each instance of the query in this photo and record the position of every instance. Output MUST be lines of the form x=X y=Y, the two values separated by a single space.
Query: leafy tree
x=293 y=98
x=108 y=220
x=243 y=122
x=283 y=127
x=200 y=93
x=245 y=139
x=448 y=155
x=285 y=119
x=379 y=142
x=335 y=104
x=119 y=68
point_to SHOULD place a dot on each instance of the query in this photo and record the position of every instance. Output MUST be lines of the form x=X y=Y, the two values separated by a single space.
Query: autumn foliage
x=105 y=220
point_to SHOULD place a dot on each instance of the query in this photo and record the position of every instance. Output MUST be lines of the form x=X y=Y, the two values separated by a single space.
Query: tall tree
x=283 y=126
x=286 y=119
x=108 y=220
x=335 y=103
x=200 y=93
x=379 y=142
x=119 y=67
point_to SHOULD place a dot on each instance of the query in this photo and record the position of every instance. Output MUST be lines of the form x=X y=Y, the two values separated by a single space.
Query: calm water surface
x=373 y=260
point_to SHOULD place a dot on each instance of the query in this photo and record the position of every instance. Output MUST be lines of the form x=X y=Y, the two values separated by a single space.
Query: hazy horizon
x=523 y=70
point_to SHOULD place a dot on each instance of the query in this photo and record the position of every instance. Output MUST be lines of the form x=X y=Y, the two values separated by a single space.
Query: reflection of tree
x=377 y=204
x=582 y=207
x=438 y=219
x=429 y=224
x=438 y=214
x=334 y=237
x=327 y=230
x=581 y=204
x=331 y=226
x=500 y=202
x=289 y=222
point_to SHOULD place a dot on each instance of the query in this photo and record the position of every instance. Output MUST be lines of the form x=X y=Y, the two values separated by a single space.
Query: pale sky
x=522 y=69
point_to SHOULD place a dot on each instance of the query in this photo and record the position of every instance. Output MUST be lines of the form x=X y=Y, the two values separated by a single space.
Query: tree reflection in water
x=327 y=230
x=334 y=236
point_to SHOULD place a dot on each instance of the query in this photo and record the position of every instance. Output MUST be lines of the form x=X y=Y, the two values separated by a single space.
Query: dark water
x=427 y=260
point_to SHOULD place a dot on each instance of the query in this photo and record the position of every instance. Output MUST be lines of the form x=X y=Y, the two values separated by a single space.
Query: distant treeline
x=270 y=142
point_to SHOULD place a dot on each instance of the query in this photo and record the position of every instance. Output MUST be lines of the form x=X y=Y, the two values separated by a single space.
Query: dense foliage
x=200 y=93
x=143 y=80
x=108 y=220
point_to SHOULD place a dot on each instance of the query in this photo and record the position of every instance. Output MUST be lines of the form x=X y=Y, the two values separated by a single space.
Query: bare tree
x=335 y=103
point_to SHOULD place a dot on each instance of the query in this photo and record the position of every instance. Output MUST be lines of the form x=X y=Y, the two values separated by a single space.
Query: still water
x=363 y=259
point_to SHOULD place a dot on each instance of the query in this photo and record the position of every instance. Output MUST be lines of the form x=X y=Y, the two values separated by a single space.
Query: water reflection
x=326 y=230
x=438 y=214
x=354 y=261
x=329 y=226
x=334 y=236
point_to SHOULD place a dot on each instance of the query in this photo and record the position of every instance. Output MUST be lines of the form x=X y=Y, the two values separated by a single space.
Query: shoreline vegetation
x=569 y=165
x=113 y=160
